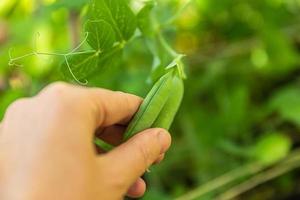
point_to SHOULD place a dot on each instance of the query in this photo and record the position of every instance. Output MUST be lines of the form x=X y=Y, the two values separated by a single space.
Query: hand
x=46 y=148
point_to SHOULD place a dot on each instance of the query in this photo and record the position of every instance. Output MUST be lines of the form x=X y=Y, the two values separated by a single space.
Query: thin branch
x=223 y=180
x=261 y=178
x=287 y=164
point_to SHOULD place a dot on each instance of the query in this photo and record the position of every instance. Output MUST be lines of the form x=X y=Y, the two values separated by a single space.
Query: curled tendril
x=12 y=60
x=80 y=45
x=73 y=75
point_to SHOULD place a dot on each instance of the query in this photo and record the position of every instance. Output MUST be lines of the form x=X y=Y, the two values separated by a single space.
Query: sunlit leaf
x=100 y=35
x=80 y=66
x=145 y=19
x=287 y=103
x=272 y=147
x=83 y=66
x=118 y=14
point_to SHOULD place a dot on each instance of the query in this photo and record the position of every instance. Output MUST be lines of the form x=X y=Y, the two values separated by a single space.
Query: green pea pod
x=103 y=145
x=148 y=111
x=168 y=113
x=151 y=107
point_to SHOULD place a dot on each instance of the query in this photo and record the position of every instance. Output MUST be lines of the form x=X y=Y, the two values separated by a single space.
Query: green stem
x=103 y=145
x=241 y=172
x=166 y=46
x=263 y=177
x=223 y=180
x=178 y=13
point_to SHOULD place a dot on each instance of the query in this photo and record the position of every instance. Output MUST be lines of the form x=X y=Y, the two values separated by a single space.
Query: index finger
x=114 y=107
x=103 y=107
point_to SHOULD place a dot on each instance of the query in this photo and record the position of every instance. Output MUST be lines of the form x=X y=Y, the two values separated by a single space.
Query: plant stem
x=103 y=145
x=166 y=46
x=178 y=13
x=291 y=162
x=261 y=178
x=223 y=180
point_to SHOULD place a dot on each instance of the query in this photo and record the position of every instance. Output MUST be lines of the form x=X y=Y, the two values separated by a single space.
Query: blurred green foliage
x=242 y=92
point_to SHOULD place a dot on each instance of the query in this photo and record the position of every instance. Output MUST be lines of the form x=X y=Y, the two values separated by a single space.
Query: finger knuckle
x=123 y=95
x=57 y=89
x=58 y=94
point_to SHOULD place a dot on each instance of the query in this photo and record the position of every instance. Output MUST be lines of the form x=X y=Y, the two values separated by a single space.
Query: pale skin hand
x=46 y=149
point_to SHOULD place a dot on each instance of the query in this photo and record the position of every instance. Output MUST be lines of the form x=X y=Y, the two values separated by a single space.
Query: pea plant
x=110 y=27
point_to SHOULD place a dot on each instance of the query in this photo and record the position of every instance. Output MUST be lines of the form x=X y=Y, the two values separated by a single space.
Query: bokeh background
x=237 y=133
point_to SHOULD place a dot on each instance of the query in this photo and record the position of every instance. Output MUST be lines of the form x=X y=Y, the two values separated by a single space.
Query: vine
x=13 y=60
x=108 y=29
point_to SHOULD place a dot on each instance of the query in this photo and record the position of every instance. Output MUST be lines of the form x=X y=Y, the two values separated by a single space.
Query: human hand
x=46 y=148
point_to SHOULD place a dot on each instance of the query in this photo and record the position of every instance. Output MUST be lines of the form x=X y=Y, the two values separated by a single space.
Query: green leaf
x=101 y=35
x=116 y=13
x=110 y=58
x=85 y=65
x=80 y=66
x=272 y=148
x=287 y=103
x=146 y=22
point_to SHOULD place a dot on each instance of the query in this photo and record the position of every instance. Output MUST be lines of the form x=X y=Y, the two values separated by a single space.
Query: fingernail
x=164 y=140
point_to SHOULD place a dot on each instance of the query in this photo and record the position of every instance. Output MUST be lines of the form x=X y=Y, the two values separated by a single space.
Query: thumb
x=130 y=160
